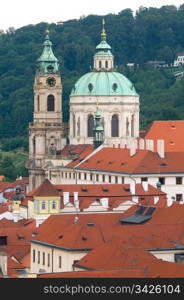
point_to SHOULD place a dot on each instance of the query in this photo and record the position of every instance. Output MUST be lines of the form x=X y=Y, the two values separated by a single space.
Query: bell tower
x=46 y=131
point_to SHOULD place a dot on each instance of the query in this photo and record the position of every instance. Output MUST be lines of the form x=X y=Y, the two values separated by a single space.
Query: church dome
x=103 y=84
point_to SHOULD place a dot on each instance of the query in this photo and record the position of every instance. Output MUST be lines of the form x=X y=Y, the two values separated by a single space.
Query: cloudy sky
x=18 y=13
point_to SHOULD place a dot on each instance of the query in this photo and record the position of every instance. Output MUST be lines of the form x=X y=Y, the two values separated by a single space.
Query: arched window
x=74 y=125
x=100 y=64
x=127 y=127
x=132 y=126
x=90 y=125
x=50 y=103
x=106 y=64
x=115 y=126
x=54 y=205
x=38 y=103
x=43 y=205
x=78 y=126
x=34 y=145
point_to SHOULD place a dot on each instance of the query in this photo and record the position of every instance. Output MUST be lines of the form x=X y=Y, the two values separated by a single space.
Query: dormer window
x=114 y=86
x=90 y=87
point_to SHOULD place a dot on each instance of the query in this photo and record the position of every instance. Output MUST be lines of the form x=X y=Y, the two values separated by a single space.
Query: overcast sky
x=18 y=13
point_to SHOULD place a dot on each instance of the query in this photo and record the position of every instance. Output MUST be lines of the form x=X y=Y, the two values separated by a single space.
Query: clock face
x=51 y=81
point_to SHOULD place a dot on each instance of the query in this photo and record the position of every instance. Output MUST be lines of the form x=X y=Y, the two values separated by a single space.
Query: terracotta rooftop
x=79 y=152
x=144 y=161
x=121 y=273
x=170 y=131
x=118 y=255
x=46 y=189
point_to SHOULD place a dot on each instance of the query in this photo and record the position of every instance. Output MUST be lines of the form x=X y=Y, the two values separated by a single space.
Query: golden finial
x=103 y=34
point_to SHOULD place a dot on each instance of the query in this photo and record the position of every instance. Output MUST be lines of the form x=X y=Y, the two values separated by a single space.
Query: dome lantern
x=103 y=58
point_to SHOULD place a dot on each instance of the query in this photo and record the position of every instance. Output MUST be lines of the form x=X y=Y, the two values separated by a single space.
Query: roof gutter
x=59 y=247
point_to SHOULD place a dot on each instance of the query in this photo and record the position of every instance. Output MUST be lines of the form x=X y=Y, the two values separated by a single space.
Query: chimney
x=132 y=188
x=135 y=199
x=169 y=202
x=39 y=221
x=141 y=144
x=156 y=199
x=66 y=197
x=132 y=148
x=105 y=202
x=16 y=216
x=149 y=145
x=76 y=219
x=76 y=199
x=3 y=263
x=160 y=148
x=145 y=186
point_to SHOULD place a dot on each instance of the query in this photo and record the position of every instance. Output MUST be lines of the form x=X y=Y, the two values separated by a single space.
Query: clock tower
x=46 y=131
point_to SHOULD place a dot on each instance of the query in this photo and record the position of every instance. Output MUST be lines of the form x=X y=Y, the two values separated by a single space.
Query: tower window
x=132 y=126
x=106 y=64
x=114 y=126
x=50 y=103
x=100 y=64
x=74 y=125
x=34 y=145
x=50 y=69
x=90 y=125
x=38 y=102
x=78 y=126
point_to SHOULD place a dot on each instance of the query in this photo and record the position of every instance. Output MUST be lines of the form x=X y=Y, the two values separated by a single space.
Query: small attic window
x=98 y=161
x=126 y=189
x=163 y=165
x=110 y=162
x=123 y=163
x=84 y=238
x=84 y=189
x=142 y=198
x=105 y=190
x=61 y=236
x=90 y=87
x=114 y=86
x=173 y=126
x=171 y=143
x=90 y=224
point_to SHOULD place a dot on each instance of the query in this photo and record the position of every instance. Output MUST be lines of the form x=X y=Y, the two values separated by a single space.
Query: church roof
x=103 y=83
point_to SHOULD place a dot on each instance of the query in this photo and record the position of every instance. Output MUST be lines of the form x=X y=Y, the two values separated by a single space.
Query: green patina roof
x=47 y=62
x=103 y=83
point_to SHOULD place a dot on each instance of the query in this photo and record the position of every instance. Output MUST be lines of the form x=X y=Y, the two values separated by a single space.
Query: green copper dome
x=103 y=83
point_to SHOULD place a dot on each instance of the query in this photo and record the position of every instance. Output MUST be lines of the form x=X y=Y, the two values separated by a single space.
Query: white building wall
x=67 y=259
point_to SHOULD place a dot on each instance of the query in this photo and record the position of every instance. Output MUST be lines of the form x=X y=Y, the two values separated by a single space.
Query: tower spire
x=47 y=62
x=103 y=33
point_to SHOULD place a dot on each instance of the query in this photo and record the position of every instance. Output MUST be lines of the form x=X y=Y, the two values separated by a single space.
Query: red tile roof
x=89 y=193
x=5 y=185
x=46 y=189
x=170 y=131
x=116 y=255
x=144 y=161
x=77 y=152
x=122 y=273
